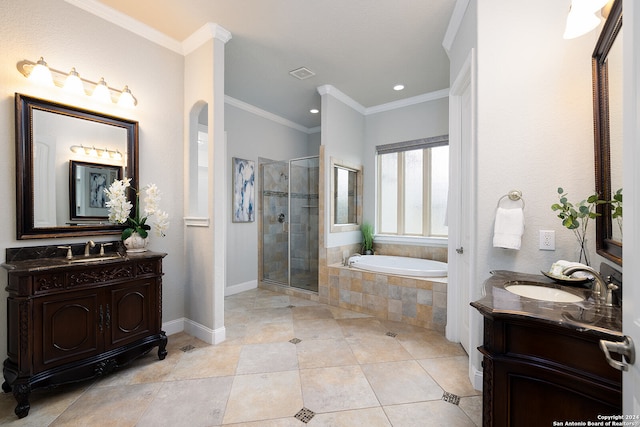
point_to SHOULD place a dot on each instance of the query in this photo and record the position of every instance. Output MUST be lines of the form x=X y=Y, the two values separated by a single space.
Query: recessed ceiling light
x=314 y=111
x=398 y=87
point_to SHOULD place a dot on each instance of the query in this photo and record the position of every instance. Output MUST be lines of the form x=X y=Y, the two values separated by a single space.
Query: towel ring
x=513 y=195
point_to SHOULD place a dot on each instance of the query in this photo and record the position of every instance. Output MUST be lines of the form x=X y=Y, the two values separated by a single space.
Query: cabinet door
x=132 y=312
x=66 y=329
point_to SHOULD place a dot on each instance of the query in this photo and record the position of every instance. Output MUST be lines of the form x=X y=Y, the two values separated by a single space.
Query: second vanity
x=541 y=359
x=78 y=317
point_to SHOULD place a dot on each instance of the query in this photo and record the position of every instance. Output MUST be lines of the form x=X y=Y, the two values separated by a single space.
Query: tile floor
x=344 y=371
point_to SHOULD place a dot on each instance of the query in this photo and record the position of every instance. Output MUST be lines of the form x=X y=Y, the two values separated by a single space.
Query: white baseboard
x=173 y=326
x=476 y=378
x=203 y=333
x=195 y=329
x=241 y=287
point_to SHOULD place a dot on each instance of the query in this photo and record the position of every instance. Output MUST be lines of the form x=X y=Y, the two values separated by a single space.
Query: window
x=412 y=186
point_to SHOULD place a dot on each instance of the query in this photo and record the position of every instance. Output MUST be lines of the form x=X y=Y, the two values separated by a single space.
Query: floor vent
x=305 y=415
x=187 y=348
x=295 y=341
x=451 y=398
x=391 y=334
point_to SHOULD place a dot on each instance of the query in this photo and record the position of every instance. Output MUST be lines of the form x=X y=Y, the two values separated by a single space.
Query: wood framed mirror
x=48 y=137
x=607 y=104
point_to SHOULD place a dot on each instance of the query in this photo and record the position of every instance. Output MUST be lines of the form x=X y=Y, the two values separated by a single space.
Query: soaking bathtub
x=403 y=266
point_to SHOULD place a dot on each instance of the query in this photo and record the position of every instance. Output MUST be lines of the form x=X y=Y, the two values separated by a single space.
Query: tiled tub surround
x=415 y=301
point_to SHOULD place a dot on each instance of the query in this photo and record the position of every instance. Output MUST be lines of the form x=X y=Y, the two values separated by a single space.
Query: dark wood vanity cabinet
x=536 y=373
x=76 y=322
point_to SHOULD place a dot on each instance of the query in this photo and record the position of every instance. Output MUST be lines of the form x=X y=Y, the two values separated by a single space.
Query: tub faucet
x=348 y=261
x=87 y=246
x=599 y=285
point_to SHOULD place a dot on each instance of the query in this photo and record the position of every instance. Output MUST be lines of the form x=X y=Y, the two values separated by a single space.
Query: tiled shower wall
x=275 y=187
x=303 y=225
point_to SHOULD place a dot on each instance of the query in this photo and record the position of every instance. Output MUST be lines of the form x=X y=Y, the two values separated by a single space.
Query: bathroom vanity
x=541 y=359
x=79 y=318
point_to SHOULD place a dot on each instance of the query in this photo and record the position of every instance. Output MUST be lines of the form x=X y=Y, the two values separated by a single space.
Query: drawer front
x=92 y=276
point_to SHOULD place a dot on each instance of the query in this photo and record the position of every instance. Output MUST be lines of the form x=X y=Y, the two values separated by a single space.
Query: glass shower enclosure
x=290 y=222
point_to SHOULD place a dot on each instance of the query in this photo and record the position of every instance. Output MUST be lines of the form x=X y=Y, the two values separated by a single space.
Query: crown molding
x=128 y=23
x=431 y=96
x=341 y=96
x=454 y=24
x=205 y=33
x=265 y=114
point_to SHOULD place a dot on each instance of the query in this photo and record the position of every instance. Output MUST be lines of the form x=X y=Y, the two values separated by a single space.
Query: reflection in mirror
x=607 y=90
x=88 y=182
x=346 y=196
x=50 y=138
x=614 y=72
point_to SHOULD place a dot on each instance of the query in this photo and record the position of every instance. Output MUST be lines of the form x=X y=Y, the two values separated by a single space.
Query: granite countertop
x=585 y=316
x=45 y=264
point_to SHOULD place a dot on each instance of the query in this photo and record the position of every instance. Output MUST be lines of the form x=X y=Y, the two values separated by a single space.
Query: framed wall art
x=87 y=184
x=244 y=207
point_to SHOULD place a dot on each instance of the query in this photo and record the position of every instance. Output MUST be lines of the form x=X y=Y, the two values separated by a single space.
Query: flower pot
x=136 y=243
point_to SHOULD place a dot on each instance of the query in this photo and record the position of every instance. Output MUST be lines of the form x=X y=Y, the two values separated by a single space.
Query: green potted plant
x=616 y=209
x=575 y=217
x=367 y=238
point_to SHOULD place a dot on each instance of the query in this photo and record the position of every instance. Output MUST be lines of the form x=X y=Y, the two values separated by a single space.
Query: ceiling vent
x=302 y=73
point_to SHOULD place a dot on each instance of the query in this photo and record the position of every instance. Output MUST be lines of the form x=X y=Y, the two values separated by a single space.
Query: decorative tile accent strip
x=295 y=341
x=451 y=398
x=187 y=348
x=305 y=415
x=391 y=334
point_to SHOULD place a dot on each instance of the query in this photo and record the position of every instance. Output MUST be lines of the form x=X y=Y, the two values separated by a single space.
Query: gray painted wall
x=250 y=136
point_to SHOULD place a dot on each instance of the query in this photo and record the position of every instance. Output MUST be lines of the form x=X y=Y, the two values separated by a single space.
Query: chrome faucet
x=348 y=262
x=599 y=286
x=87 y=246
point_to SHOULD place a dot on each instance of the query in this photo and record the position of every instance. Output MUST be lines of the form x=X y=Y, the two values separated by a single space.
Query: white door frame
x=631 y=247
x=456 y=308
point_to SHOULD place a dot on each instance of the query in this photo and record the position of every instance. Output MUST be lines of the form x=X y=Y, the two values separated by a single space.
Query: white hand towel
x=508 y=228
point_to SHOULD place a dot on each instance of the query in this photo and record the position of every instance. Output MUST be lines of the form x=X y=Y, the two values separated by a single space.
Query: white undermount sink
x=542 y=293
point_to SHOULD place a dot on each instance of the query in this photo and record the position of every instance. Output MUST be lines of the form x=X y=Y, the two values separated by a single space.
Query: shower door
x=290 y=222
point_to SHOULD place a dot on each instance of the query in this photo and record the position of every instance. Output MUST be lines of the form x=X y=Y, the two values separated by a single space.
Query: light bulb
x=582 y=17
x=40 y=74
x=126 y=98
x=73 y=84
x=101 y=92
x=93 y=152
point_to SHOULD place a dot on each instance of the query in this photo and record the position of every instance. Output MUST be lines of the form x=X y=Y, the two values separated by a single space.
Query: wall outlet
x=547 y=240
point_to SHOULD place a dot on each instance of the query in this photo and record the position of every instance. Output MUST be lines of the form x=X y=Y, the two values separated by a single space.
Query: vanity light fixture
x=40 y=73
x=398 y=87
x=314 y=111
x=92 y=151
x=101 y=92
x=583 y=17
x=73 y=84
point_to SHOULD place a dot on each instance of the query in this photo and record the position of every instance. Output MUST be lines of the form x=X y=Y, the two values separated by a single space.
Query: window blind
x=415 y=144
